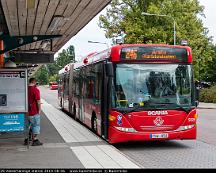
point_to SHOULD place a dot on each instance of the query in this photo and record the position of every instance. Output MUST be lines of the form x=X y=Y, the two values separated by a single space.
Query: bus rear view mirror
x=109 y=69
x=197 y=93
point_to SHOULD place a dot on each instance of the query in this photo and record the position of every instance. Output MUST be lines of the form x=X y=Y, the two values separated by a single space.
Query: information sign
x=13 y=90
x=154 y=53
x=12 y=122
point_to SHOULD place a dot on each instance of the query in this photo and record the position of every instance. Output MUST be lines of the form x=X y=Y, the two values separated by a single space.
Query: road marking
x=122 y=160
x=102 y=156
x=103 y=159
x=85 y=158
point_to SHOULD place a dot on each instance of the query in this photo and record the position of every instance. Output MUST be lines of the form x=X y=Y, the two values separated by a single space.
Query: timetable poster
x=13 y=91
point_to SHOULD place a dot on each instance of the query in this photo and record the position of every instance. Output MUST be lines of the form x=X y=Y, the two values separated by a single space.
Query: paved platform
x=67 y=144
x=203 y=105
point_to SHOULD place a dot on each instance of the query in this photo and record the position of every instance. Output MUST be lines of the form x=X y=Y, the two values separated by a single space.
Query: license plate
x=155 y=136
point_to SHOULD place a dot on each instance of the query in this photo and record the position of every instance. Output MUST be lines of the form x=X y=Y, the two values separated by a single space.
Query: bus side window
x=97 y=75
x=90 y=88
x=66 y=86
x=76 y=82
x=89 y=82
x=77 y=88
x=99 y=82
x=74 y=87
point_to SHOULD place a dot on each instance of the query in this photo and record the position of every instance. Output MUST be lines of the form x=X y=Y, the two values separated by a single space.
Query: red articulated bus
x=133 y=92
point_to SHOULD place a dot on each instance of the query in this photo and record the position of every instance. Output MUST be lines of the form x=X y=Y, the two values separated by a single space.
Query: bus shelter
x=13 y=101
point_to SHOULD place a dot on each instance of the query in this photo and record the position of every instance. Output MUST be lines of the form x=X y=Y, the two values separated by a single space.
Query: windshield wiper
x=133 y=109
x=128 y=110
x=175 y=104
x=137 y=107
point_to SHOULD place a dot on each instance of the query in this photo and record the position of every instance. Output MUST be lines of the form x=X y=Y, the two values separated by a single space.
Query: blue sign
x=12 y=122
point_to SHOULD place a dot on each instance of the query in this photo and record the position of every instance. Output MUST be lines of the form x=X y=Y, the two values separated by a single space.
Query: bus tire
x=60 y=103
x=74 y=111
x=94 y=124
x=70 y=107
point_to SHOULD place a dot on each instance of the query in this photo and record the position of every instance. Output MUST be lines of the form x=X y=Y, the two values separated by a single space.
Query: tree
x=53 y=78
x=49 y=72
x=126 y=15
x=53 y=68
x=42 y=75
x=209 y=75
x=66 y=56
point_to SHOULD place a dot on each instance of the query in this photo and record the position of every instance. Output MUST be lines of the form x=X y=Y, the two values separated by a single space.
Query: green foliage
x=208 y=95
x=54 y=78
x=65 y=57
x=53 y=68
x=126 y=15
x=42 y=75
x=49 y=73
x=210 y=75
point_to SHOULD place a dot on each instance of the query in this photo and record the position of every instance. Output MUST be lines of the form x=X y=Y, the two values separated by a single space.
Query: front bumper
x=116 y=136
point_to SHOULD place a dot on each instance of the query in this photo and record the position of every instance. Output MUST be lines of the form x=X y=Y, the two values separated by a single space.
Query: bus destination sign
x=153 y=53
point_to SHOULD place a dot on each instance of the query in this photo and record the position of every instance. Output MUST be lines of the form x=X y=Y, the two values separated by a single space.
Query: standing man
x=34 y=111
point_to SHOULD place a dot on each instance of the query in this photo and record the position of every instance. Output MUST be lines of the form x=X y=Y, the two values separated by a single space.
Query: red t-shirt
x=33 y=97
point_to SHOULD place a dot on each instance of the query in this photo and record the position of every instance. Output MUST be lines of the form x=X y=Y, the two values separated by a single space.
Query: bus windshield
x=153 y=86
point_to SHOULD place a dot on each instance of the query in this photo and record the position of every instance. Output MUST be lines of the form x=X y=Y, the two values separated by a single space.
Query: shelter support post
x=1 y=55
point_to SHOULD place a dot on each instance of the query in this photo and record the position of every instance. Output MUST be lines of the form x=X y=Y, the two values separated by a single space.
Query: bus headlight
x=123 y=129
x=182 y=128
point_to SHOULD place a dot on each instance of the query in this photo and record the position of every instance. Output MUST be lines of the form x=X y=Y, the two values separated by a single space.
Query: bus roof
x=113 y=54
x=93 y=58
x=65 y=69
x=148 y=45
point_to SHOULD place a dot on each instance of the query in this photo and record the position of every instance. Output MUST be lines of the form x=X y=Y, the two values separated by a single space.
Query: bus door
x=66 y=93
x=63 y=91
x=70 y=92
x=81 y=97
x=60 y=91
x=106 y=100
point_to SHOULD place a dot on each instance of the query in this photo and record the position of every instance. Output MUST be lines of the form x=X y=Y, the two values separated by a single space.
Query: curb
x=206 y=108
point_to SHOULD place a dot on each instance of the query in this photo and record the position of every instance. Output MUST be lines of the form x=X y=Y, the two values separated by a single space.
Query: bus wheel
x=94 y=123
x=74 y=111
x=60 y=103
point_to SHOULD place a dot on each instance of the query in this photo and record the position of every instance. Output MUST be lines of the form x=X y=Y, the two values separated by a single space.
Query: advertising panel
x=12 y=122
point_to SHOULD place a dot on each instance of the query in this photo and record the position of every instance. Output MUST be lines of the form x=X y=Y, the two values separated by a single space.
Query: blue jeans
x=34 y=122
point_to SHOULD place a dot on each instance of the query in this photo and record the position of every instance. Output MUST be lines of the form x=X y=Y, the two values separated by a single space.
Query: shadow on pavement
x=152 y=144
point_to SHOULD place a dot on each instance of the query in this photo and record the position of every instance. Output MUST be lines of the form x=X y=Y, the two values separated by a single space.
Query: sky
x=210 y=20
x=92 y=32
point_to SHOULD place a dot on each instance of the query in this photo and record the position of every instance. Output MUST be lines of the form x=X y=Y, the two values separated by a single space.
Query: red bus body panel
x=146 y=125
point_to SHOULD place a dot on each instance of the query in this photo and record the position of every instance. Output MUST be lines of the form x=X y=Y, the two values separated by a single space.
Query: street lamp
x=99 y=43
x=163 y=15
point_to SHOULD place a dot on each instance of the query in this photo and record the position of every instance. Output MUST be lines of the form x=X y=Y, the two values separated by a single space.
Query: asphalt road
x=200 y=153
x=51 y=96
